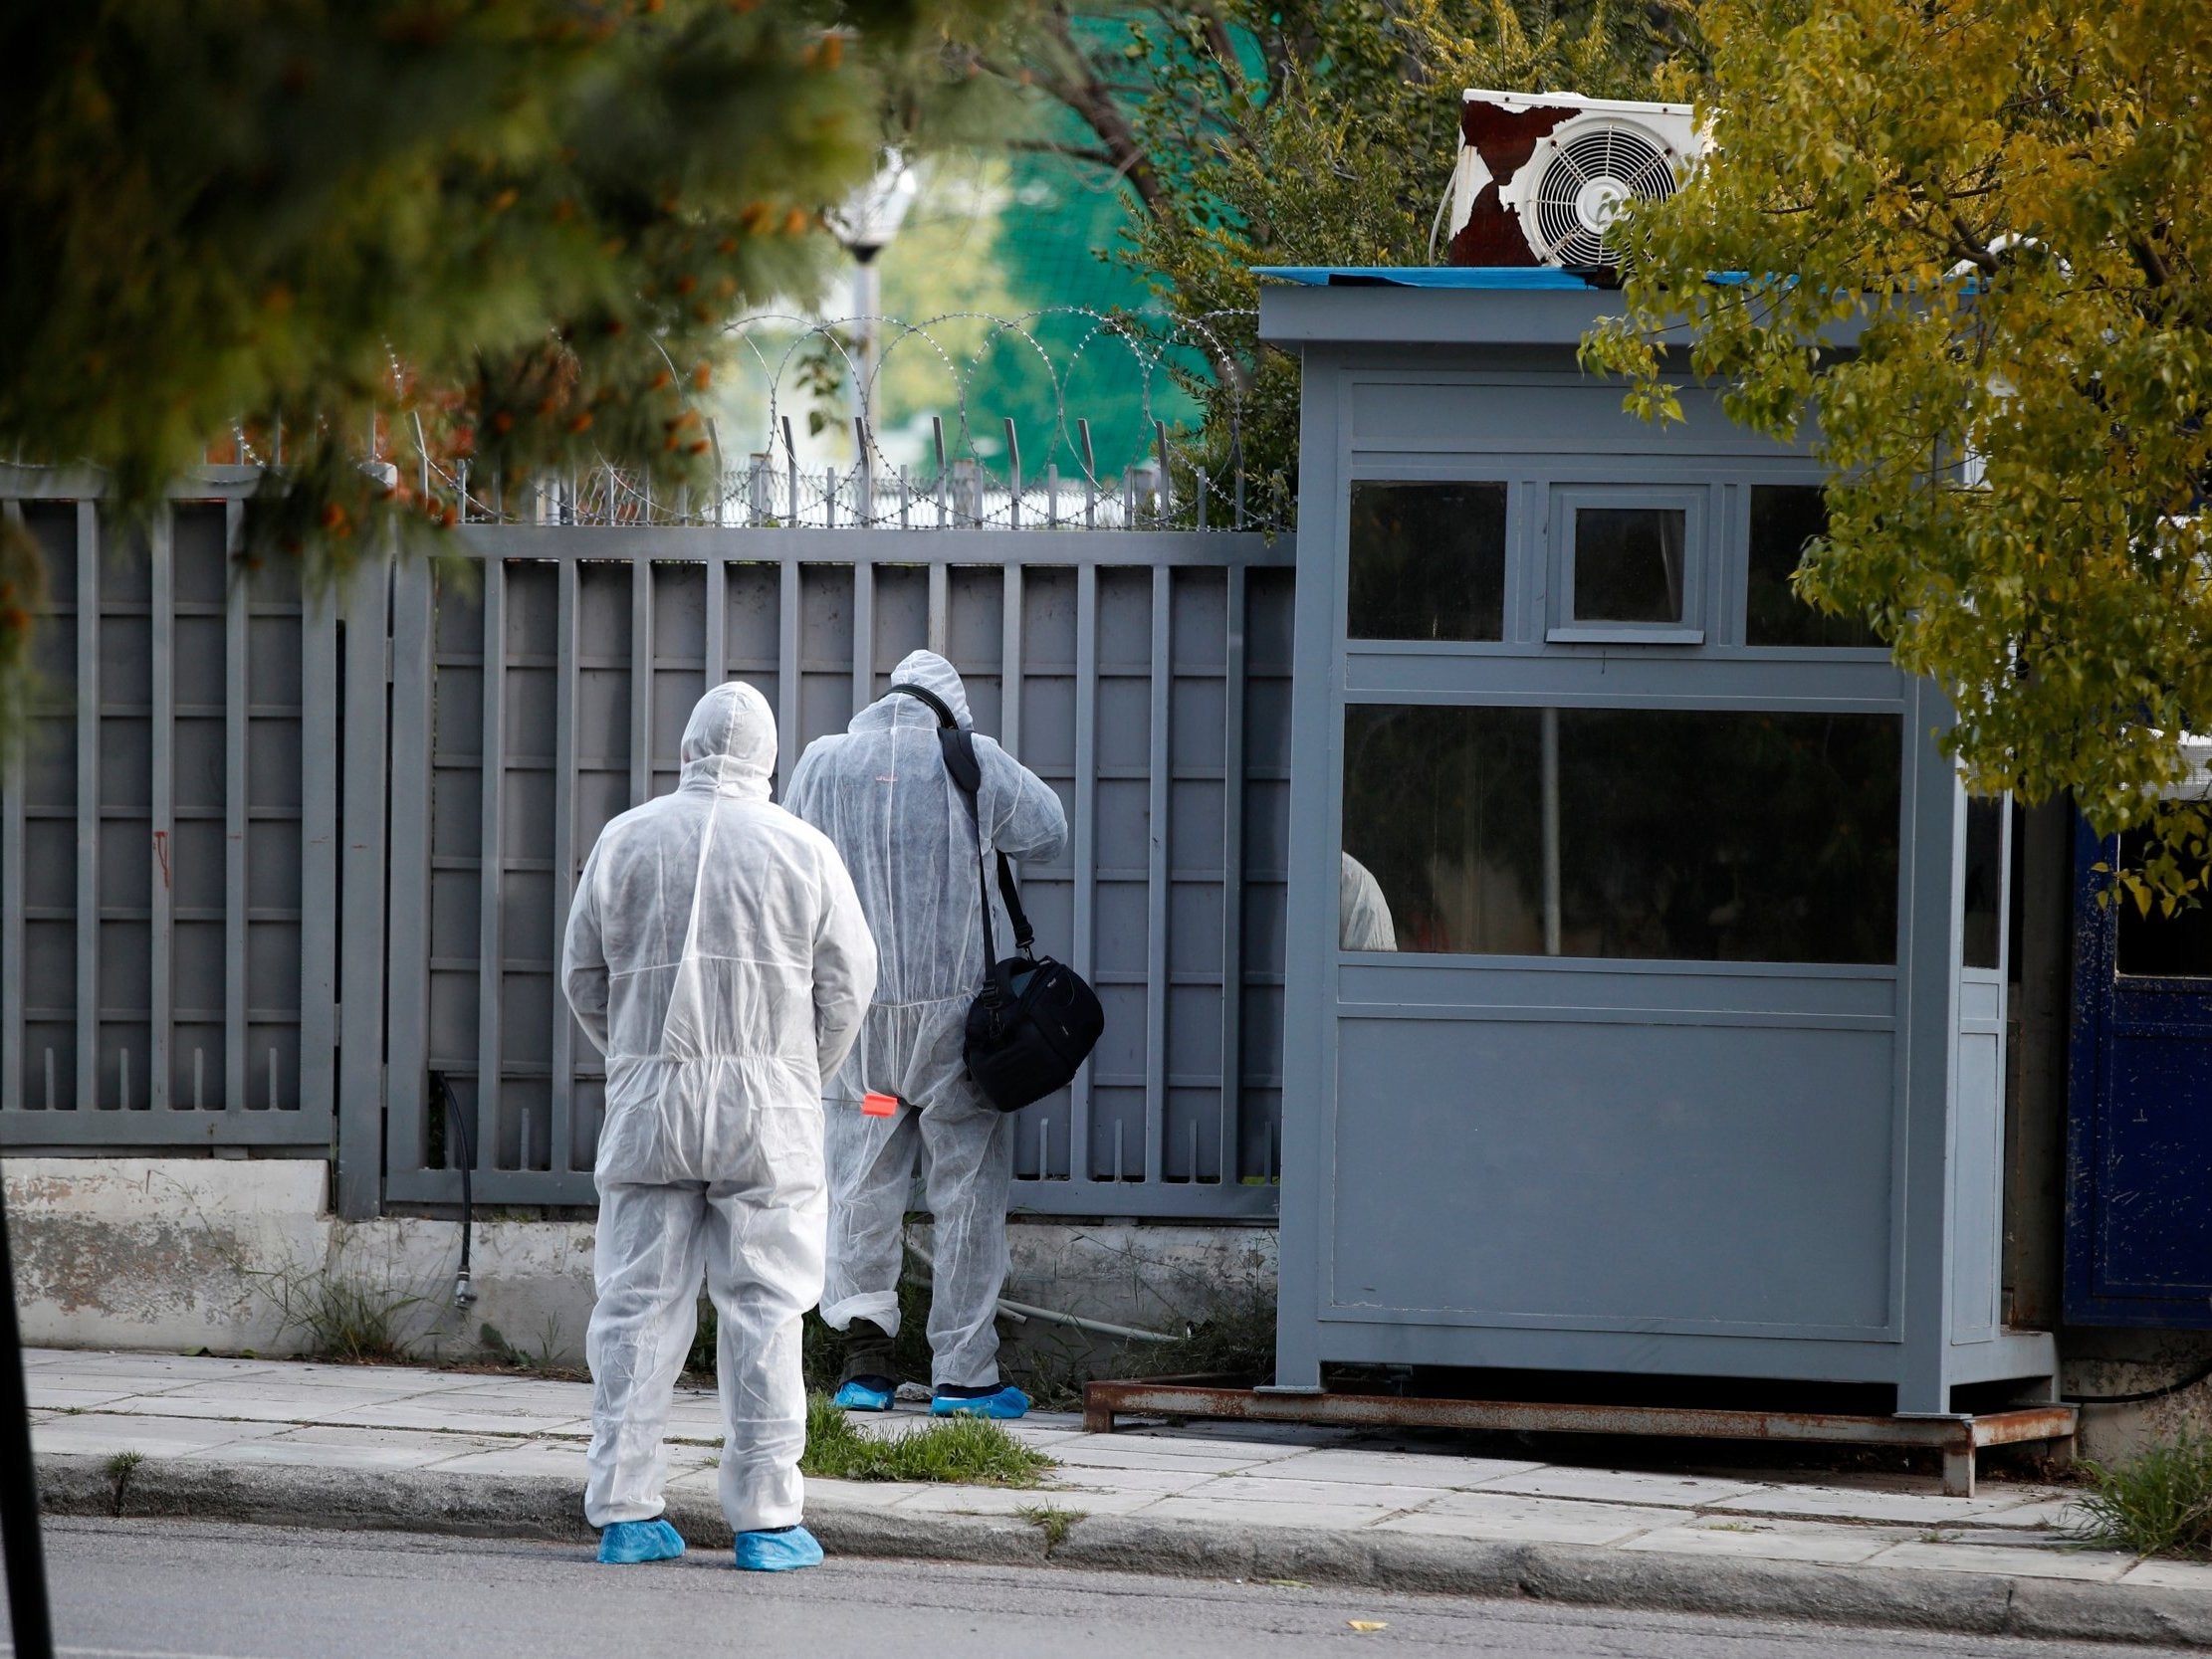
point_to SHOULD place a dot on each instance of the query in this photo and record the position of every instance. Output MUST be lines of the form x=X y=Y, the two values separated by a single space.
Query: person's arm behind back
x=583 y=964
x=844 y=965
x=1026 y=818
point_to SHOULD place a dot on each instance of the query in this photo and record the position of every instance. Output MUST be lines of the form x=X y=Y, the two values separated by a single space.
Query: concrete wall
x=238 y=1255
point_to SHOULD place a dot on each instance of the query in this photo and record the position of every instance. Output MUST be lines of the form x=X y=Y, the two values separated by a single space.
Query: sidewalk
x=308 y=1444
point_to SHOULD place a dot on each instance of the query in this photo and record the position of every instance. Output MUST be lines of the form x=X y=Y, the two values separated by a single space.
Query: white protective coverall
x=1362 y=913
x=718 y=956
x=880 y=792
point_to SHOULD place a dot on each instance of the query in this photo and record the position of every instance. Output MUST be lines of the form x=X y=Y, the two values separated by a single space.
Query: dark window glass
x=1690 y=835
x=1629 y=564
x=2176 y=946
x=1985 y=845
x=1428 y=561
x=1784 y=518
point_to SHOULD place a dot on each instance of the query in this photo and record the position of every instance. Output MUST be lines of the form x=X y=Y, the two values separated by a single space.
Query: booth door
x=2139 y=1151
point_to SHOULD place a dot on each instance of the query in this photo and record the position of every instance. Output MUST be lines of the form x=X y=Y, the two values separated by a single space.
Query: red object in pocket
x=873 y=1105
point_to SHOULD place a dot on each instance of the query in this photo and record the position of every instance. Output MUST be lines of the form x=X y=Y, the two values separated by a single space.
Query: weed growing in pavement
x=340 y=1317
x=121 y=1467
x=968 y=1451
x=1050 y=1520
x=2156 y=1504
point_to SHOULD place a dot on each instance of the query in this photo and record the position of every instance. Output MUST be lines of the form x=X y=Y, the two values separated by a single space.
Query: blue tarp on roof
x=1491 y=277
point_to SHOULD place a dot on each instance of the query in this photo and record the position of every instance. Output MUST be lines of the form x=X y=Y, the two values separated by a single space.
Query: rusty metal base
x=1957 y=1437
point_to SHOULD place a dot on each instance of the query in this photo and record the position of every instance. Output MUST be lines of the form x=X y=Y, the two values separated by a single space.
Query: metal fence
x=1146 y=676
x=169 y=841
x=271 y=860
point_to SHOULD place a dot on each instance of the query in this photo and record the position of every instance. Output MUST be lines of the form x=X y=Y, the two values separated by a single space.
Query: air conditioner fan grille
x=1584 y=181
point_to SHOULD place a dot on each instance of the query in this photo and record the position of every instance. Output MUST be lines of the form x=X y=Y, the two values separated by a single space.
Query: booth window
x=1643 y=833
x=1625 y=565
x=2158 y=945
x=1784 y=518
x=1428 y=561
x=1984 y=886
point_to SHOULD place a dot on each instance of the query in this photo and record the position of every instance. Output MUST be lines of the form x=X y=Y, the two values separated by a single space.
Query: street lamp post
x=865 y=224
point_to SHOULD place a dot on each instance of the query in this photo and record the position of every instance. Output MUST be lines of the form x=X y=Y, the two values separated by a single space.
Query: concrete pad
x=348 y=1448
x=2170 y=1575
x=102 y=1434
x=1291 y=1436
x=260 y=1404
x=1098 y=1452
x=1441 y=1471
x=867 y=1494
x=539 y=1457
x=1244 y=1443
x=2095 y=1565
x=1774 y=1542
x=1160 y=1483
x=1623 y=1486
x=181 y=1368
x=46 y=1397
x=430 y=1415
x=1005 y=1500
x=1930 y=1508
x=1245 y=1489
x=1340 y=1517
x=2059 y=1514
x=1536 y=1520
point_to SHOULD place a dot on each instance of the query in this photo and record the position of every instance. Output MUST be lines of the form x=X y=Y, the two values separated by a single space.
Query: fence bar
x=787 y=671
x=161 y=929
x=1155 y=883
x=1009 y=662
x=12 y=1058
x=944 y=482
x=319 y=840
x=941 y=609
x=1090 y=475
x=1084 y=833
x=717 y=622
x=563 y=1111
x=863 y=634
x=237 y=697
x=641 y=681
x=1014 y=476
x=1167 y=472
x=88 y=806
x=1232 y=884
x=491 y=944
x=406 y=1086
x=361 y=969
x=790 y=460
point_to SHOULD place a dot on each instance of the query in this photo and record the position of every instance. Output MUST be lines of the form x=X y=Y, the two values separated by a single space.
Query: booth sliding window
x=1628 y=565
x=2152 y=945
x=1698 y=835
x=1428 y=561
x=1784 y=518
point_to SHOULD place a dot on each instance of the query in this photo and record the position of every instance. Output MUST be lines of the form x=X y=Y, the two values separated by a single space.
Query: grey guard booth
x=1534 y=1153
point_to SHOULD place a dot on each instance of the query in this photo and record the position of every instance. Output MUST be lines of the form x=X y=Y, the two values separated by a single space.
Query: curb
x=550 y=1507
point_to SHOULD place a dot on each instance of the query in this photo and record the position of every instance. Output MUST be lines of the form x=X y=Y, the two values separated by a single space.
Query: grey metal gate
x=168 y=839
x=1145 y=673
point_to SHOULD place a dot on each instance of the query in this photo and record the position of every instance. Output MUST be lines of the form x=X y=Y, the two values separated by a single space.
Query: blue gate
x=2138 y=1233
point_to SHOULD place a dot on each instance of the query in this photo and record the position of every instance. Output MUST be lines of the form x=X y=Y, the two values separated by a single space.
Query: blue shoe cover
x=1007 y=1405
x=858 y=1396
x=785 y=1552
x=627 y=1541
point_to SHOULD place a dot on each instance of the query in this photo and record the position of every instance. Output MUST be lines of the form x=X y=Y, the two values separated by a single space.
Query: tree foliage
x=506 y=231
x=1974 y=249
x=1314 y=133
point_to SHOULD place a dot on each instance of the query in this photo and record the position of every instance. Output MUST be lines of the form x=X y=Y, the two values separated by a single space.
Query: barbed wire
x=797 y=367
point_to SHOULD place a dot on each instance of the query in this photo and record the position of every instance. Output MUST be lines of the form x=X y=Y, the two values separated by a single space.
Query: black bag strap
x=959 y=750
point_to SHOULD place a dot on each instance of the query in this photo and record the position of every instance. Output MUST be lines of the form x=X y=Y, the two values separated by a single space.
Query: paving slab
x=1553 y=1520
x=1011 y=1499
x=104 y=1433
x=1624 y=1486
x=1930 y=1508
x=1770 y=1541
x=2178 y=1575
x=1441 y=1470
x=1330 y=1516
x=2093 y=1565
x=349 y=1448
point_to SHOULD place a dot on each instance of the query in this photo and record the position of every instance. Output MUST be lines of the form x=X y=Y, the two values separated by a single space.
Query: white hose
x=1026 y=1311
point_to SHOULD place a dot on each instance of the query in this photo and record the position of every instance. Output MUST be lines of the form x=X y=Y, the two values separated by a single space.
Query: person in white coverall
x=881 y=793
x=717 y=955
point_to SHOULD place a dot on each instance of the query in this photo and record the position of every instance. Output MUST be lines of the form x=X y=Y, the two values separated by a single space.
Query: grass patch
x=968 y=1451
x=120 y=1468
x=1050 y=1520
x=2157 y=1504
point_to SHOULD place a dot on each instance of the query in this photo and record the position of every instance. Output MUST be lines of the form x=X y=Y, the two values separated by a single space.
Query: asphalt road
x=164 y=1590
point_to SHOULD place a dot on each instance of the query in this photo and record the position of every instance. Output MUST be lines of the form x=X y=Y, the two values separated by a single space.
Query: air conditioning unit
x=1541 y=175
